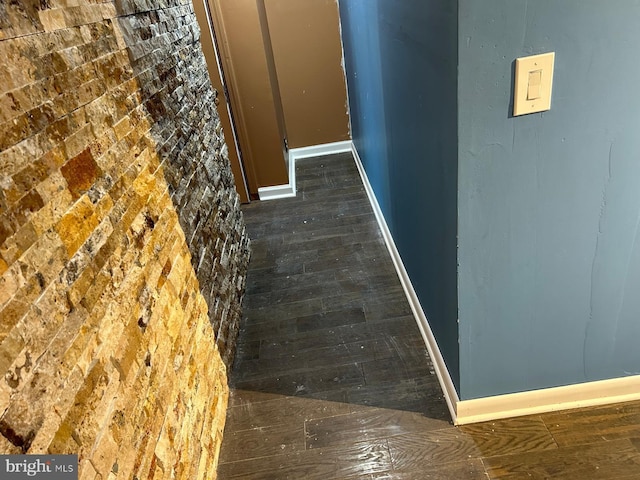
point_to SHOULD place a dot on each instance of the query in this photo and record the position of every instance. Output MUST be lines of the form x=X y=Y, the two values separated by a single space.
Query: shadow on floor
x=325 y=316
x=332 y=379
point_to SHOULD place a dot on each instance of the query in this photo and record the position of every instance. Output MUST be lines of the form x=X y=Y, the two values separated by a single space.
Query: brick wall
x=122 y=247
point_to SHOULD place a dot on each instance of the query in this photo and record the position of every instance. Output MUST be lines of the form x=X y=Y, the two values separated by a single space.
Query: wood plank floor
x=332 y=379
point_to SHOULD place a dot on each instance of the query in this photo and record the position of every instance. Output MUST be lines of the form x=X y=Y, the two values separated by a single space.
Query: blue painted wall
x=401 y=58
x=549 y=204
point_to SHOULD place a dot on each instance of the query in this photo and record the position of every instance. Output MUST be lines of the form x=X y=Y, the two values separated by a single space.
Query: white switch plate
x=533 y=98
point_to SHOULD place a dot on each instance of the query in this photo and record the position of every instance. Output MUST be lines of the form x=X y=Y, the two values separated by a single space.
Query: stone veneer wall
x=119 y=223
x=176 y=91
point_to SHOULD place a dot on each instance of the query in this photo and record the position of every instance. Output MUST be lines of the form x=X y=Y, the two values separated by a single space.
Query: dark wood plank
x=514 y=435
x=306 y=382
x=299 y=293
x=606 y=460
x=460 y=470
x=366 y=425
x=262 y=442
x=280 y=467
x=413 y=451
x=276 y=328
x=345 y=334
x=336 y=318
x=415 y=395
x=282 y=411
x=271 y=313
x=320 y=464
x=270 y=280
x=392 y=370
x=594 y=424
x=237 y=397
x=253 y=367
x=360 y=458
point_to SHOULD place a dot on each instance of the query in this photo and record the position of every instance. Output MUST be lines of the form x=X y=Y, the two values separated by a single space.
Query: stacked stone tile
x=177 y=93
x=122 y=246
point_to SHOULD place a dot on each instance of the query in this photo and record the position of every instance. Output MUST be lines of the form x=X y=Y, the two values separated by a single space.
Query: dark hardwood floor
x=332 y=379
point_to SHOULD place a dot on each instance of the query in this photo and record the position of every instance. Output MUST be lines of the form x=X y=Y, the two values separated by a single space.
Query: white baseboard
x=450 y=393
x=281 y=191
x=580 y=395
x=499 y=406
x=319 y=150
x=289 y=190
x=277 y=191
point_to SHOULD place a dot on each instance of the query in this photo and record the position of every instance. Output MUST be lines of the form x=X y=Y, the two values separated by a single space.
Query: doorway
x=235 y=42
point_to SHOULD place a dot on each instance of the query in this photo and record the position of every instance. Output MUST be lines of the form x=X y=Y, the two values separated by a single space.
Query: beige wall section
x=307 y=49
x=241 y=41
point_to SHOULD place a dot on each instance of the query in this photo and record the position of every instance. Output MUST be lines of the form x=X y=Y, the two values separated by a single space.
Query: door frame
x=245 y=183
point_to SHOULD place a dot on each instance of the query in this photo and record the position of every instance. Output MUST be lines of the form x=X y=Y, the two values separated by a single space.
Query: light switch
x=534 y=82
x=533 y=88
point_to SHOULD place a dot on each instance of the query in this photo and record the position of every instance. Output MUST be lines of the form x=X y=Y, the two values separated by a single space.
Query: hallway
x=332 y=380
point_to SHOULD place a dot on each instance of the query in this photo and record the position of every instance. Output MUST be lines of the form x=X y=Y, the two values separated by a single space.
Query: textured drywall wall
x=549 y=203
x=111 y=152
x=401 y=74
